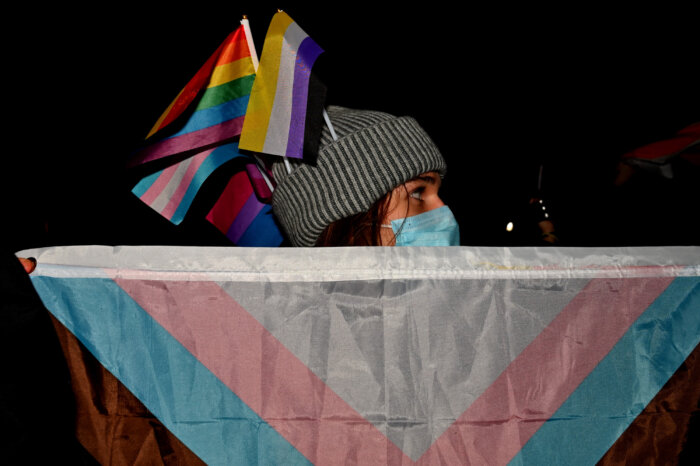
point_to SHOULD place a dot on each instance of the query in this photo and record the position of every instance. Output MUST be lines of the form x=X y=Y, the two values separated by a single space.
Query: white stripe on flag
x=278 y=128
x=160 y=202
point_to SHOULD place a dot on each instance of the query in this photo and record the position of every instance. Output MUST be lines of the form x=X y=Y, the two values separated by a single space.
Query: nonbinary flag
x=219 y=92
x=285 y=112
x=384 y=355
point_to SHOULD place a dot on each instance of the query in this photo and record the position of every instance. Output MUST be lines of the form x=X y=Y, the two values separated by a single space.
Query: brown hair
x=363 y=229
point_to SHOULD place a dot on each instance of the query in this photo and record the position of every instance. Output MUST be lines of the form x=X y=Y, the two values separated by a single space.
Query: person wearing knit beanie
x=380 y=169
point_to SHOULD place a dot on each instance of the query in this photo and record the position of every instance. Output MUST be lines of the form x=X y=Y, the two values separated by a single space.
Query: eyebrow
x=427 y=178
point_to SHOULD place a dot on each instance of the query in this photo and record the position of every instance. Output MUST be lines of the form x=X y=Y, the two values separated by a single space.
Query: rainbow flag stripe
x=277 y=111
x=223 y=84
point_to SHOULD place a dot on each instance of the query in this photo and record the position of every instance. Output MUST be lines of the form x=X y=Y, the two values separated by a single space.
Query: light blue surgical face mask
x=437 y=227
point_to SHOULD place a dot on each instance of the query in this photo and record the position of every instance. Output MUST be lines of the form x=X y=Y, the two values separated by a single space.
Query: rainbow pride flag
x=221 y=89
x=282 y=112
x=386 y=356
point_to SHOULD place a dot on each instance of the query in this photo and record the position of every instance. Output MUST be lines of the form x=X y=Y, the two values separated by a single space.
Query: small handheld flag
x=223 y=85
x=284 y=114
x=241 y=216
x=210 y=111
x=658 y=156
x=171 y=191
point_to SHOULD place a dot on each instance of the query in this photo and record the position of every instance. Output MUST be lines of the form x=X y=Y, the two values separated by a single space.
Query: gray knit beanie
x=375 y=152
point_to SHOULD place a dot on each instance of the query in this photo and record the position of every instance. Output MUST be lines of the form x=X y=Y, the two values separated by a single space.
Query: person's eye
x=417 y=194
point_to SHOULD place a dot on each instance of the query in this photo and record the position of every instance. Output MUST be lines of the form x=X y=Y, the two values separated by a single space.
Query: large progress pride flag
x=383 y=355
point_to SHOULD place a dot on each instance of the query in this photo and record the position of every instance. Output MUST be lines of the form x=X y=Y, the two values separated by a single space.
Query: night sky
x=502 y=91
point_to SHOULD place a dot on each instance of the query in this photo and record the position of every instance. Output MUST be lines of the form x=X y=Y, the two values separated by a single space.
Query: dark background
x=502 y=91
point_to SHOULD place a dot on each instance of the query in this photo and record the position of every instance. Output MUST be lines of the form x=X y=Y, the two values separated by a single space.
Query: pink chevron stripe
x=179 y=193
x=282 y=390
x=159 y=185
x=263 y=373
x=497 y=425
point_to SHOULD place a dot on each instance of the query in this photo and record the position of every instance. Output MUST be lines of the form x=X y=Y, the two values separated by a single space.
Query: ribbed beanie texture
x=375 y=152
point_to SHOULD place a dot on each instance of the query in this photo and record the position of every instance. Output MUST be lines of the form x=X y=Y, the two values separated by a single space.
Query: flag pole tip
x=245 y=16
x=279 y=10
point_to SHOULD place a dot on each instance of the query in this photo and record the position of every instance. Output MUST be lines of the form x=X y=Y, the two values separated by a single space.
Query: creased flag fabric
x=276 y=121
x=383 y=355
x=171 y=191
x=213 y=104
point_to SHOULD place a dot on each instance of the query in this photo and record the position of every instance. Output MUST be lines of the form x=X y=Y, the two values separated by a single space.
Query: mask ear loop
x=397 y=233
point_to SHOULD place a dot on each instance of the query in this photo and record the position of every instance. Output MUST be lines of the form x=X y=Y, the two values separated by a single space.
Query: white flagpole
x=254 y=58
x=249 y=39
x=330 y=126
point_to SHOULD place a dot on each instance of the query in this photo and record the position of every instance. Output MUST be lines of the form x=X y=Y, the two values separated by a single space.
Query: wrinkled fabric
x=384 y=355
x=662 y=433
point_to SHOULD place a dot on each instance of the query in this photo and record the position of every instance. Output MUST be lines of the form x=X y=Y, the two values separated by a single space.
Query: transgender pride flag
x=283 y=111
x=385 y=356
x=171 y=191
x=238 y=213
